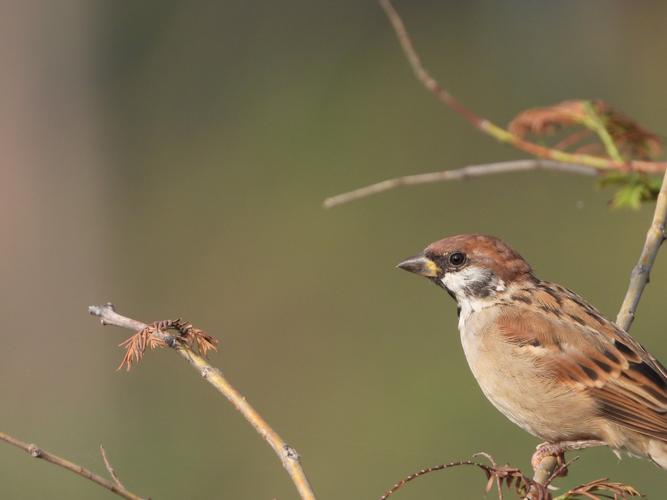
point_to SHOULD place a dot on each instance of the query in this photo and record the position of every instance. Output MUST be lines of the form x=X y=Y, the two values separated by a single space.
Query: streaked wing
x=577 y=346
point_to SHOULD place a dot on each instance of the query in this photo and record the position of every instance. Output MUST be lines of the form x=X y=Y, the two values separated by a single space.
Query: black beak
x=421 y=265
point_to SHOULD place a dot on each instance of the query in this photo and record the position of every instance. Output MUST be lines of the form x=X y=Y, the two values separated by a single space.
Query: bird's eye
x=457 y=258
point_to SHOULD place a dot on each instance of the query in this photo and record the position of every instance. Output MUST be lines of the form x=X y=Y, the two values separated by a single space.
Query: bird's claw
x=550 y=450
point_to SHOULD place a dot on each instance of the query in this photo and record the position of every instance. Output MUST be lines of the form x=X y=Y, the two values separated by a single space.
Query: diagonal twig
x=459 y=174
x=287 y=455
x=487 y=127
x=639 y=277
x=36 y=452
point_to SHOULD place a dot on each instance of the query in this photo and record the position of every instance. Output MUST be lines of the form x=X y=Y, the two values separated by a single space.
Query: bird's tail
x=657 y=451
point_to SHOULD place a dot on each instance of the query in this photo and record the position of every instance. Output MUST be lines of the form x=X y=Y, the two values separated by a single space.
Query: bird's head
x=470 y=266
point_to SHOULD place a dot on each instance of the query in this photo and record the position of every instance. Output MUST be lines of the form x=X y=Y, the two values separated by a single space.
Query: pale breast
x=510 y=378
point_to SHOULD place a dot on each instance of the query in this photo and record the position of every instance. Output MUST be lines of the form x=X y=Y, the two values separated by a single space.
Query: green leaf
x=633 y=188
x=628 y=197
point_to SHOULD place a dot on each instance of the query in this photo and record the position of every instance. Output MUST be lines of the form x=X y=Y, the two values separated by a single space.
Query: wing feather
x=575 y=345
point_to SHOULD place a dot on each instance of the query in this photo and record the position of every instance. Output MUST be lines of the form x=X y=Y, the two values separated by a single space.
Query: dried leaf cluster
x=594 y=127
x=511 y=478
x=601 y=488
x=156 y=335
x=585 y=120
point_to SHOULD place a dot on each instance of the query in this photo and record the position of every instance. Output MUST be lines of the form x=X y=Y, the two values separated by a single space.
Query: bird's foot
x=558 y=450
x=545 y=450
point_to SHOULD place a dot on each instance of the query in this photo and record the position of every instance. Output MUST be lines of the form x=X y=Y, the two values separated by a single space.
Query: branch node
x=291 y=453
x=35 y=451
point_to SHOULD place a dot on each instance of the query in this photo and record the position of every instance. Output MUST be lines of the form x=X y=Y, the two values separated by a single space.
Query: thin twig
x=500 y=475
x=495 y=131
x=36 y=452
x=459 y=174
x=288 y=455
x=639 y=277
x=397 y=486
x=110 y=469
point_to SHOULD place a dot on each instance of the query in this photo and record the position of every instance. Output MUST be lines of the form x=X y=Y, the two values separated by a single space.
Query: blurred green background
x=172 y=157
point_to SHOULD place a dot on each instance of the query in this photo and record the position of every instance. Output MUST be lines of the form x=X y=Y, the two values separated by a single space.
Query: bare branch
x=36 y=452
x=288 y=455
x=459 y=174
x=501 y=476
x=495 y=131
x=110 y=469
x=639 y=277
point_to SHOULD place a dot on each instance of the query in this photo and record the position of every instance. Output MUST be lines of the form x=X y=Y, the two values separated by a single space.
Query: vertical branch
x=640 y=273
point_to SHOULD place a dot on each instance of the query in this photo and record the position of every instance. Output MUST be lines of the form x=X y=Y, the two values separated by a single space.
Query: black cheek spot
x=482 y=287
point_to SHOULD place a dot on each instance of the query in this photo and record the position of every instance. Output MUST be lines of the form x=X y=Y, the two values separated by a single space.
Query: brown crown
x=485 y=251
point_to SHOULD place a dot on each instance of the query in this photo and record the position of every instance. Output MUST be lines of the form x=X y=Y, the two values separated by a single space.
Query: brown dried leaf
x=489 y=483
x=603 y=487
x=631 y=140
x=196 y=337
x=634 y=141
x=135 y=346
x=494 y=474
x=542 y=121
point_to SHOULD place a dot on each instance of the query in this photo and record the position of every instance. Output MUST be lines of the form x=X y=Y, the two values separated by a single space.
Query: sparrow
x=545 y=357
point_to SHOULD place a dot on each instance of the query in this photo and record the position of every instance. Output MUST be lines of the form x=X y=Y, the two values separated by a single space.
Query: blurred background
x=172 y=158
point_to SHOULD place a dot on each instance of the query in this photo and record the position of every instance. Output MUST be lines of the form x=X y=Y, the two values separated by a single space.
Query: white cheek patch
x=455 y=282
x=473 y=288
x=461 y=281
